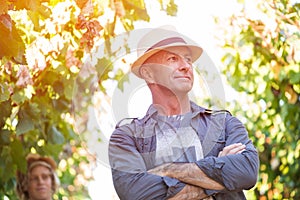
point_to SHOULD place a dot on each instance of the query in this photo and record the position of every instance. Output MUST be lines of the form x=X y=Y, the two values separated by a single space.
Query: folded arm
x=236 y=172
x=235 y=168
x=191 y=174
x=130 y=177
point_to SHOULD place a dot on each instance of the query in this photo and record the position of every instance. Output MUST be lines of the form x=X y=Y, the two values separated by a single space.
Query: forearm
x=144 y=186
x=190 y=192
x=188 y=173
x=235 y=172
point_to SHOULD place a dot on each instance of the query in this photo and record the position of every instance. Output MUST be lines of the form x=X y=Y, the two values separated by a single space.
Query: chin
x=183 y=91
x=186 y=89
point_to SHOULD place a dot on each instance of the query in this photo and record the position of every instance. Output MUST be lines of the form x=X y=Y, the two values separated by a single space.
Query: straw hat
x=161 y=38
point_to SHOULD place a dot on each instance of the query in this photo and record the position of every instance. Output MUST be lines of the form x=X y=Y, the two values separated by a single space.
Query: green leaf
x=25 y=123
x=52 y=149
x=4 y=137
x=67 y=130
x=61 y=104
x=6 y=165
x=6 y=110
x=4 y=92
x=55 y=136
x=33 y=110
x=18 y=97
x=294 y=77
x=24 y=126
x=69 y=90
x=49 y=77
x=103 y=66
x=18 y=155
x=121 y=78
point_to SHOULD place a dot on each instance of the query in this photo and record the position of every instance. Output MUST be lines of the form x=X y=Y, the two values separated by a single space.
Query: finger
x=220 y=154
x=230 y=147
x=233 y=149
x=237 y=149
x=241 y=151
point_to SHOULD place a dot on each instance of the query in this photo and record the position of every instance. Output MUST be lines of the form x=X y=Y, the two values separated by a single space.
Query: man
x=179 y=150
x=40 y=181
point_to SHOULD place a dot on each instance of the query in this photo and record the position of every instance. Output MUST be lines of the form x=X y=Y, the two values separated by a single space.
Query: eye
x=46 y=176
x=188 y=59
x=172 y=58
x=34 y=179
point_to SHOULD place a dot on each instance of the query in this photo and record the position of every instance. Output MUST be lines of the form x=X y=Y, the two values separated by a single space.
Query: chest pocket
x=215 y=136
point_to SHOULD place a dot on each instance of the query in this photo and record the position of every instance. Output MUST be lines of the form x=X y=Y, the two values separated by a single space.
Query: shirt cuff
x=174 y=186
x=211 y=192
x=212 y=167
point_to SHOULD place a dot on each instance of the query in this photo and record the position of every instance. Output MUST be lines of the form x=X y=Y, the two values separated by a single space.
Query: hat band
x=166 y=42
x=36 y=163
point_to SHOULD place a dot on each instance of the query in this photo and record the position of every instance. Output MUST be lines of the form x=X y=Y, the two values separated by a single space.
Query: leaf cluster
x=263 y=64
x=45 y=81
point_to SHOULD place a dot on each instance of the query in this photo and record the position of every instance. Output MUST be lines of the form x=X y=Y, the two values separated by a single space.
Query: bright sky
x=195 y=20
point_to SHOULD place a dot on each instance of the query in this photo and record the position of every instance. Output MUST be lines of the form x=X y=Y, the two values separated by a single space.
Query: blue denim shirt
x=132 y=151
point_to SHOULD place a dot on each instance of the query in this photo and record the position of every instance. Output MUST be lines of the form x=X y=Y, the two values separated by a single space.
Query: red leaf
x=6 y=21
x=24 y=77
x=81 y=3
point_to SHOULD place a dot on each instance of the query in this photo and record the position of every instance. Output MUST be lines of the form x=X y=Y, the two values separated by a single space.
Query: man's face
x=39 y=185
x=172 y=68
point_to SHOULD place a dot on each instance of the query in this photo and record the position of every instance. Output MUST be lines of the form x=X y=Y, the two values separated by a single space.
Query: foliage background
x=263 y=64
x=43 y=47
x=45 y=80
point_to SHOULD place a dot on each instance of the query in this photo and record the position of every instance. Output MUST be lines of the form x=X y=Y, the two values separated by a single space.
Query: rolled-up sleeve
x=237 y=171
x=129 y=171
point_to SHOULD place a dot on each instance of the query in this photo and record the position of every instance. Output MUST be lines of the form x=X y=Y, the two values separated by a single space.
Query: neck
x=168 y=103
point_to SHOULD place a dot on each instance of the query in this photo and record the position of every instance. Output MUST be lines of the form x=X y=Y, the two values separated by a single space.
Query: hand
x=232 y=149
x=191 y=192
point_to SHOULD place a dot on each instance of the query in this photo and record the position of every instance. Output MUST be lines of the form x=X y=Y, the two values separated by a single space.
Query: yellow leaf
x=291 y=95
x=3 y=6
x=11 y=43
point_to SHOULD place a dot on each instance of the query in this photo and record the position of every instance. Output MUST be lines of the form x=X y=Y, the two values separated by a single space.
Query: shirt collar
x=152 y=111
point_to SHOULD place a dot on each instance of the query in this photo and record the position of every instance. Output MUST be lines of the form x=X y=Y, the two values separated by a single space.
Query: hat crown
x=156 y=38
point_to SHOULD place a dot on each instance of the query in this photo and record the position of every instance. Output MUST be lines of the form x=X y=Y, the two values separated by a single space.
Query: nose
x=185 y=65
x=40 y=179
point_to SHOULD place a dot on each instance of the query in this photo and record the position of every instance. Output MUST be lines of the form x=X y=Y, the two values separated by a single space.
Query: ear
x=147 y=74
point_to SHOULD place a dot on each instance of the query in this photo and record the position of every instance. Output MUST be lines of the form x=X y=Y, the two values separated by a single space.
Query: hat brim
x=135 y=67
